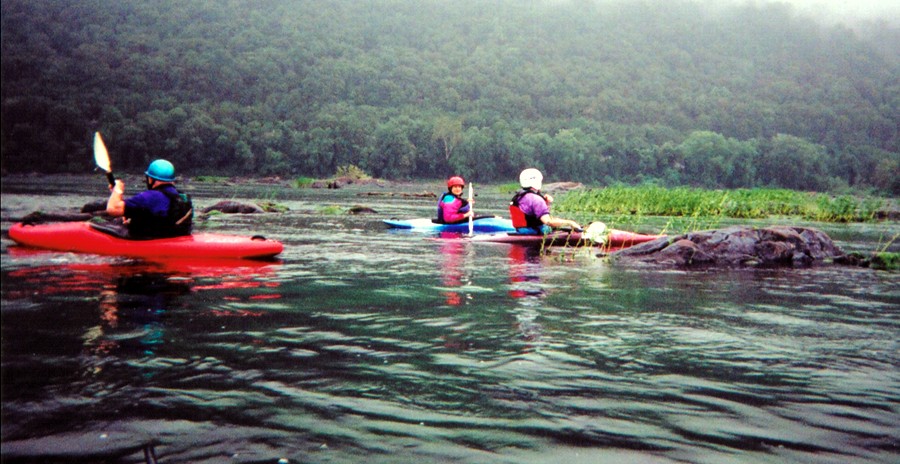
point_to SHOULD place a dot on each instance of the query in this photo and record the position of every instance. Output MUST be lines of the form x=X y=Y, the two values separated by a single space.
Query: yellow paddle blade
x=101 y=156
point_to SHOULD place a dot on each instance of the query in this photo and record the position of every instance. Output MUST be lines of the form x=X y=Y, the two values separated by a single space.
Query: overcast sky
x=888 y=10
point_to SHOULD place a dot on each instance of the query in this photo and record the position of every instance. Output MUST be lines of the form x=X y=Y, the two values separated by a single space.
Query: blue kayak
x=479 y=224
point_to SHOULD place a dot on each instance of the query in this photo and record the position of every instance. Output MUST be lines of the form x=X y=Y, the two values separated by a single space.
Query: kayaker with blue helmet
x=452 y=208
x=160 y=211
x=530 y=209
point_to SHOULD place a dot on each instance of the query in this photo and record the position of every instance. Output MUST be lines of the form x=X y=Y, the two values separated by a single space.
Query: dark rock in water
x=40 y=217
x=362 y=210
x=97 y=206
x=234 y=207
x=778 y=245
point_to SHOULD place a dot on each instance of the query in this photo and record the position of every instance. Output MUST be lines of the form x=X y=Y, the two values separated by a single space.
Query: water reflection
x=525 y=265
x=132 y=309
x=453 y=276
x=132 y=298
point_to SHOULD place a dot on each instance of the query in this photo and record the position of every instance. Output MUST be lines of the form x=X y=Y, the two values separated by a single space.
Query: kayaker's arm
x=115 y=206
x=559 y=222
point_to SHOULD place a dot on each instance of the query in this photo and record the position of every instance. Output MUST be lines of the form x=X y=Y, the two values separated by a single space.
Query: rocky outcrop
x=744 y=246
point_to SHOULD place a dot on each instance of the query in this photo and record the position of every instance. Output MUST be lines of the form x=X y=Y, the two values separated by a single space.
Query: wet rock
x=778 y=245
x=40 y=217
x=96 y=206
x=234 y=207
x=361 y=210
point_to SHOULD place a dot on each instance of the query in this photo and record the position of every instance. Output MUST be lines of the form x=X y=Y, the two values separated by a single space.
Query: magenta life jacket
x=463 y=208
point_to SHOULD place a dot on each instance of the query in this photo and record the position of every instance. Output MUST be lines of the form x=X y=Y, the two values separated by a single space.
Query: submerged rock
x=96 y=206
x=41 y=217
x=777 y=245
x=234 y=207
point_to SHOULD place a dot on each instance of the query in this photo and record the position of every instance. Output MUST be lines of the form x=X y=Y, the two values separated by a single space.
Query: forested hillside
x=595 y=91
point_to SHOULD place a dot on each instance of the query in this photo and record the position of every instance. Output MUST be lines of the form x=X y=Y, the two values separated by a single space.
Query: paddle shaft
x=471 y=210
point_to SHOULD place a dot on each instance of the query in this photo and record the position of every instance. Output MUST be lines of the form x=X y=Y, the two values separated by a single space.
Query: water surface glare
x=364 y=345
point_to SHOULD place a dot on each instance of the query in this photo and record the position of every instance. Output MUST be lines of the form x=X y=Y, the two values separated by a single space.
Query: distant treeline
x=668 y=92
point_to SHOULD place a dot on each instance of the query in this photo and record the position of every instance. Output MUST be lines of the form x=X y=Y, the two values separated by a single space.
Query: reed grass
x=510 y=187
x=698 y=203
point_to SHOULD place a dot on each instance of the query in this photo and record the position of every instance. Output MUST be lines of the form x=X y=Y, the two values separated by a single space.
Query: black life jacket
x=180 y=219
x=519 y=218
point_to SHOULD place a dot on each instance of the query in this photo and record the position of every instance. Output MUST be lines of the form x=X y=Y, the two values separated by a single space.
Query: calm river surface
x=365 y=345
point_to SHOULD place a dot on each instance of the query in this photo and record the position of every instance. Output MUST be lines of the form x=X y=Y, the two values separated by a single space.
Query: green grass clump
x=511 y=187
x=272 y=207
x=330 y=210
x=739 y=203
x=303 y=182
x=886 y=261
x=210 y=179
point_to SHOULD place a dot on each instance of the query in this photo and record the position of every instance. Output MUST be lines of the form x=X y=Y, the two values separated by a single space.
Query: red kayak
x=81 y=237
x=615 y=239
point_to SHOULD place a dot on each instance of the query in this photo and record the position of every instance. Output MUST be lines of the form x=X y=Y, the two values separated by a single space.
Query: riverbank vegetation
x=734 y=203
x=682 y=93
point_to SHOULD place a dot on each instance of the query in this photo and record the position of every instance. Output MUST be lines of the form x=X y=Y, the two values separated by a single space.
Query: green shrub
x=351 y=171
x=303 y=182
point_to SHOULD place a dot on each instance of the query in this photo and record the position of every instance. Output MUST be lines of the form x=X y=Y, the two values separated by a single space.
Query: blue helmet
x=161 y=170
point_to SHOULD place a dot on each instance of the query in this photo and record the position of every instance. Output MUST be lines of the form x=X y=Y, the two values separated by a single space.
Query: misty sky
x=888 y=10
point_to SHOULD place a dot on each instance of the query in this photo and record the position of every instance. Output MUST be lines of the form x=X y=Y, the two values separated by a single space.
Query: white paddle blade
x=101 y=156
x=472 y=210
x=596 y=232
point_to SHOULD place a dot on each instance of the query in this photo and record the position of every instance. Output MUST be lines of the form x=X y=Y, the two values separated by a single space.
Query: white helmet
x=531 y=178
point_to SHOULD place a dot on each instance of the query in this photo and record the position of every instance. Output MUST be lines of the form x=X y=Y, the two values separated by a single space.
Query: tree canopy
x=674 y=92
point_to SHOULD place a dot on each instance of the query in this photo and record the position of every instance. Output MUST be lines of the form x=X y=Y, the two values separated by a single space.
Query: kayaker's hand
x=119 y=187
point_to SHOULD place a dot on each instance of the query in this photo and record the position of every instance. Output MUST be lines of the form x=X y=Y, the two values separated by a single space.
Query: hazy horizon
x=839 y=10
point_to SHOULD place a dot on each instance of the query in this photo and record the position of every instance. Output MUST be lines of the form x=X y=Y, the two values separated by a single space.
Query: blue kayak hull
x=484 y=224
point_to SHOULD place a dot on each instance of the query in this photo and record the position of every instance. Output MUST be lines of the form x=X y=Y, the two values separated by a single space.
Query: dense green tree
x=597 y=91
x=794 y=163
x=714 y=161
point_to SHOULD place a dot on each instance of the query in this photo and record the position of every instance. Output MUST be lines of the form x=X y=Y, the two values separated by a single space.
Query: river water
x=366 y=345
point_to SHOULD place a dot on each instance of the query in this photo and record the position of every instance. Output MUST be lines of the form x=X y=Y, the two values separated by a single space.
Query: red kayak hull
x=617 y=239
x=80 y=237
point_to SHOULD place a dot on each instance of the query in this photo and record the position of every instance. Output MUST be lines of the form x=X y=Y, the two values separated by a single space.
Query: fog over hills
x=848 y=11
